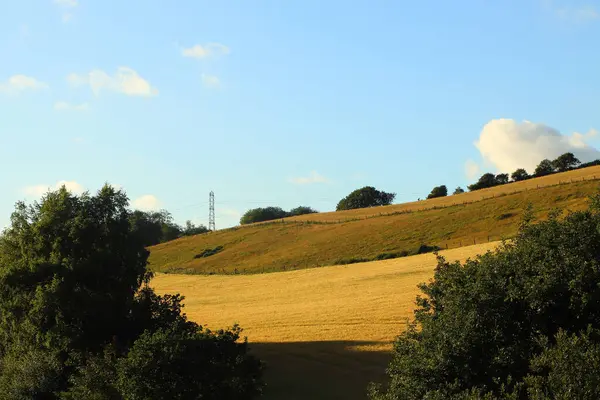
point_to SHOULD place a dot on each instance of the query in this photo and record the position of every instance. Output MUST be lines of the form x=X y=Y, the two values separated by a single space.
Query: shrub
x=438 y=191
x=492 y=326
x=209 y=252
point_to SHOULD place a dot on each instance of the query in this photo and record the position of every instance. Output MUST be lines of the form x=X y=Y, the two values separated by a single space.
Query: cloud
x=125 y=81
x=20 y=83
x=64 y=106
x=147 y=202
x=211 y=81
x=471 y=169
x=571 y=12
x=205 y=51
x=39 y=190
x=314 y=177
x=507 y=144
x=66 y=4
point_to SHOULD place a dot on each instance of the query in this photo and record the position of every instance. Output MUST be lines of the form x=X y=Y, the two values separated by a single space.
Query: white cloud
x=507 y=144
x=205 y=51
x=211 y=81
x=572 y=12
x=66 y=3
x=314 y=177
x=125 y=81
x=147 y=202
x=471 y=169
x=20 y=83
x=39 y=190
x=64 y=106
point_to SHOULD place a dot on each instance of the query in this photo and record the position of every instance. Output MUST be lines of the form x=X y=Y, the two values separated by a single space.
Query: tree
x=520 y=175
x=263 y=214
x=565 y=162
x=154 y=226
x=487 y=180
x=73 y=290
x=364 y=197
x=438 y=191
x=545 y=167
x=501 y=179
x=493 y=325
x=301 y=210
x=191 y=229
x=458 y=190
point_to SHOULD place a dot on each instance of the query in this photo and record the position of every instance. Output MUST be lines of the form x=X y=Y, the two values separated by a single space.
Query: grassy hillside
x=319 y=240
x=325 y=333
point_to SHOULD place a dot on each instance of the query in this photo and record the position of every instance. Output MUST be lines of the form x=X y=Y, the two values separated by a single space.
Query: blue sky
x=288 y=103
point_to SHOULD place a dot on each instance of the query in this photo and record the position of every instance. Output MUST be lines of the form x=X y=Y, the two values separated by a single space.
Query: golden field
x=294 y=244
x=590 y=173
x=324 y=332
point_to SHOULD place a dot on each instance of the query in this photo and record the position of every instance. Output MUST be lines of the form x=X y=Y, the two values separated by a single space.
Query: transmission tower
x=211 y=211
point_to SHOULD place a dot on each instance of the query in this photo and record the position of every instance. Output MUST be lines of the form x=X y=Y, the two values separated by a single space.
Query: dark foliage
x=158 y=227
x=458 y=190
x=271 y=213
x=487 y=180
x=565 y=162
x=517 y=323
x=263 y=214
x=209 y=252
x=76 y=308
x=520 y=175
x=545 y=167
x=365 y=197
x=301 y=210
x=501 y=179
x=438 y=191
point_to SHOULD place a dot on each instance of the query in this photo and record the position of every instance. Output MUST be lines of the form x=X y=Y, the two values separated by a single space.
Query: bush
x=209 y=252
x=545 y=167
x=520 y=175
x=262 y=214
x=492 y=325
x=458 y=190
x=438 y=191
x=367 y=196
x=74 y=299
x=302 y=210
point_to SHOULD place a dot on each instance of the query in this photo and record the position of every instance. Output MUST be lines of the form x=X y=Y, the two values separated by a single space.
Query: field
x=324 y=332
x=343 y=237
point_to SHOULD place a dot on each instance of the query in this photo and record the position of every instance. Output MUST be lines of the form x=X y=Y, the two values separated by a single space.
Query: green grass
x=292 y=244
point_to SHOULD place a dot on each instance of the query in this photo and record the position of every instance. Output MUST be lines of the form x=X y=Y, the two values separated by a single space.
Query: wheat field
x=324 y=332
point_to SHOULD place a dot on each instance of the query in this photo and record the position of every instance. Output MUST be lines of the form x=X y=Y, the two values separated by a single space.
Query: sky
x=288 y=103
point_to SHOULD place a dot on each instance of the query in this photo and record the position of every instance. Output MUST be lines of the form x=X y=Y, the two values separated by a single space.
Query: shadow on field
x=321 y=370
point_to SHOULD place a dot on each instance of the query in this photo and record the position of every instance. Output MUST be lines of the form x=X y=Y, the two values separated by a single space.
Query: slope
x=319 y=240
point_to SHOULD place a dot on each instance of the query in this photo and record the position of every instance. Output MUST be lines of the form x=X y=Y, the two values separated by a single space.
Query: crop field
x=590 y=173
x=292 y=244
x=324 y=332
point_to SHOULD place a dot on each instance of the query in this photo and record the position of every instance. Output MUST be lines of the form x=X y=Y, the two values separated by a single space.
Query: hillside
x=341 y=237
x=325 y=333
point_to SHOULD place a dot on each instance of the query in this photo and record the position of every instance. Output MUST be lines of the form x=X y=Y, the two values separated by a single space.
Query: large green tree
x=73 y=288
x=263 y=214
x=514 y=323
x=545 y=167
x=364 y=197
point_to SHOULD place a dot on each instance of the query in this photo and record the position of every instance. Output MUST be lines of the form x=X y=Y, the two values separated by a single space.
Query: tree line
x=154 y=227
x=565 y=162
